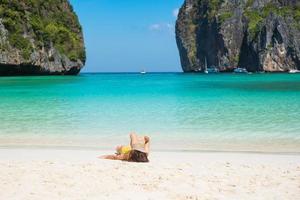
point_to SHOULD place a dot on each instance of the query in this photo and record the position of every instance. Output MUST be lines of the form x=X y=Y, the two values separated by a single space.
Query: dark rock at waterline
x=259 y=35
x=40 y=37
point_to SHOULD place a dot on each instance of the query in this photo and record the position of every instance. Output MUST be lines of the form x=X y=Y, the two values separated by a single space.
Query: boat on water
x=143 y=71
x=294 y=71
x=211 y=69
x=205 y=70
x=240 y=70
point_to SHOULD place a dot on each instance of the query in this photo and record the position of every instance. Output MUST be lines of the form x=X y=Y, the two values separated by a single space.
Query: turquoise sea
x=220 y=112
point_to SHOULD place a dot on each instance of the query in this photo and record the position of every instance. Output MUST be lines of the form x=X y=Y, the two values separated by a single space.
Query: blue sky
x=129 y=35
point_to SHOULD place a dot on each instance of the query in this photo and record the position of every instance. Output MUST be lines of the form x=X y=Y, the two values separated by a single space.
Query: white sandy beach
x=35 y=174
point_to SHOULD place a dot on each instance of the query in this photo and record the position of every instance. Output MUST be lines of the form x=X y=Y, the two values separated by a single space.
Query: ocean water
x=218 y=112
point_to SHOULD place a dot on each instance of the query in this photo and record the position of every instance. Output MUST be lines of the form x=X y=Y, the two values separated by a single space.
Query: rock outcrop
x=40 y=37
x=259 y=35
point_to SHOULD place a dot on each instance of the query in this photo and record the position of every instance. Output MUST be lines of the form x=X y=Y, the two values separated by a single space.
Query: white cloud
x=165 y=26
x=170 y=26
x=161 y=27
x=155 y=27
x=176 y=12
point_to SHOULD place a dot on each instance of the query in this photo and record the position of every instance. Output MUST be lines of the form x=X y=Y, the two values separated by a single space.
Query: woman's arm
x=114 y=157
x=133 y=138
x=147 y=144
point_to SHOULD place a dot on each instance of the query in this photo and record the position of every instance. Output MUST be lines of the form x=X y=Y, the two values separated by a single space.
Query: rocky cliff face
x=40 y=37
x=259 y=35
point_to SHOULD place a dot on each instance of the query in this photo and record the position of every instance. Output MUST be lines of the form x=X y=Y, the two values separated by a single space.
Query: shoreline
x=154 y=148
x=46 y=153
x=84 y=148
x=262 y=146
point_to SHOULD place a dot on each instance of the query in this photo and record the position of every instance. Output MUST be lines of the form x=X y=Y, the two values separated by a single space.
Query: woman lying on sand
x=138 y=150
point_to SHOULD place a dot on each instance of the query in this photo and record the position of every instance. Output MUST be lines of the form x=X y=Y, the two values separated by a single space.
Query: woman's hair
x=138 y=156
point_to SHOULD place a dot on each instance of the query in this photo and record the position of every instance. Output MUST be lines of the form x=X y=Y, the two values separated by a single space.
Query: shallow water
x=257 y=112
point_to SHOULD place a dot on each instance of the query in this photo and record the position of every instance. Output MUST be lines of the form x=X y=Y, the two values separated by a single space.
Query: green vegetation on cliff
x=41 y=24
x=217 y=9
x=257 y=16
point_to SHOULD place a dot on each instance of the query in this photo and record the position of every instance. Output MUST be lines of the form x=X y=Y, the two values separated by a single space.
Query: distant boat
x=240 y=70
x=212 y=69
x=205 y=70
x=143 y=71
x=294 y=71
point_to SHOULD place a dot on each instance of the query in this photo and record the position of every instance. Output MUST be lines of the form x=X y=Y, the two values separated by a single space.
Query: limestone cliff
x=40 y=37
x=259 y=35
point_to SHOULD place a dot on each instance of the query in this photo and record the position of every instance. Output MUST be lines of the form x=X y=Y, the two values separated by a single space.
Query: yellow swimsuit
x=125 y=150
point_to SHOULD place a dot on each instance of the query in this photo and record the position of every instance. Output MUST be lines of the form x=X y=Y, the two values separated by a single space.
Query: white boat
x=205 y=70
x=294 y=71
x=212 y=69
x=143 y=72
x=240 y=70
